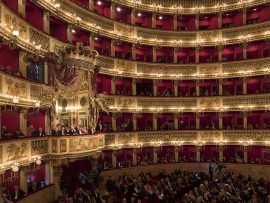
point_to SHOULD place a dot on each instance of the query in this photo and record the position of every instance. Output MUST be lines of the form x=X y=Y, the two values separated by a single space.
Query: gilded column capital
x=175 y=82
x=156 y=115
x=198 y=82
x=220 y=81
x=198 y=115
x=221 y=148
x=175 y=115
x=198 y=148
x=246 y=148
x=155 y=82
x=244 y=79
x=220 y=115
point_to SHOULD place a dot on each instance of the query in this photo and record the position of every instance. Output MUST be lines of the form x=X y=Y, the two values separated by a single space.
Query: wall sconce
x=57 y=6
x=15 y=33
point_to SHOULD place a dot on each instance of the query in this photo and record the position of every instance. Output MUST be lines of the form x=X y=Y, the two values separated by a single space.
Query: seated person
x=40 y=132
x=30 y=130
x=18 y=134
x=4 y=132
x=17 y=193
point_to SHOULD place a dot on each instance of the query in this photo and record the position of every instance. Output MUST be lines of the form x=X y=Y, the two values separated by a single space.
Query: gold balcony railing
x=24 y=150
x=71 y=12
x=187 y=104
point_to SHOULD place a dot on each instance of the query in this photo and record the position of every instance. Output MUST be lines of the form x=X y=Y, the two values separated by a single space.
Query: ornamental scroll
x=85 y=144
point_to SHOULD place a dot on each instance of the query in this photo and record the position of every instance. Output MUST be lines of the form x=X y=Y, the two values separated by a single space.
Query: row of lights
x=16 y=99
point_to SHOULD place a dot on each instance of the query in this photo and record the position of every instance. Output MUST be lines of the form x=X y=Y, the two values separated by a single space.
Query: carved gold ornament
x=39 y=147
x=63 y=145
x=126 y=66
x=13 y=23
x=125 y=138
x=16 y=151
x=211 y=69
x=16 y=88
x=209 y=102
x=125 y=102
x=208 y=36
x=85 y=144
x=124 y=30
x=54 y=146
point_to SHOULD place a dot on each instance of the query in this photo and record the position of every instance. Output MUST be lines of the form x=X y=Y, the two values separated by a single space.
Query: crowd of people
x=31 y=131
x=179 y=187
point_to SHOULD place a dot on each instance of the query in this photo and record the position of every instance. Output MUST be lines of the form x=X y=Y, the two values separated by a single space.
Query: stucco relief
x=16 y=151
x=63 y=145
x=210 y=136
x=16 y=88
x=85 y=144
x=126 y=66
x=124 y=30
x=209 y=69
x=209 y=102
x=208 y=36
x=54 y=146
x=125 y=102
x=125 y=138
x=39 y=147
x=14 y=23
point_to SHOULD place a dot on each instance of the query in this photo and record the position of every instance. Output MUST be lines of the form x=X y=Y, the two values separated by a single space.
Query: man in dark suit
x=211 y=170
x=129 y=125
x=17 y=193
x=99 y=126
x=40 y=132
x=4 y=131
x=62 y=131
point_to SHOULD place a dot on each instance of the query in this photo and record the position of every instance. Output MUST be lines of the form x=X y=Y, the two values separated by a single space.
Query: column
x=244 y=16
x=246 y=149
x=220 y=152
x=134 y=87
x=175 y=51
x=57 y=172
x=175 y=116
x=198 y=153
x=133 y=13
x=47 y=122
x=134 y=157
x=244 y=79
x=154 y=54
x=198 y=82
x=245 y=119
x=155 y=117
x=134 y=121
x=114 y=116
x=112 y=10
x=23 y=179
x=21 y=7
x=91 y=41
x=91 y=5
x=198 y=116
x=220 y=90
x=220 y=120
x=175 y=22
x=48 y=173
x=46 y=21
x=114 y=153
x=112 y=48
x=155 y=87
x=113 y=85
x=197 y=55
x=22 y=63
x=175 y=88
x=244 y=50
x=23 y=121
x=133 y=52
x=197 y=21
x=220 y=20
x=46 y=73
x=154 y=18
x=176 y=154
x=220 y=53
x=69 y=33
x=155 y=151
